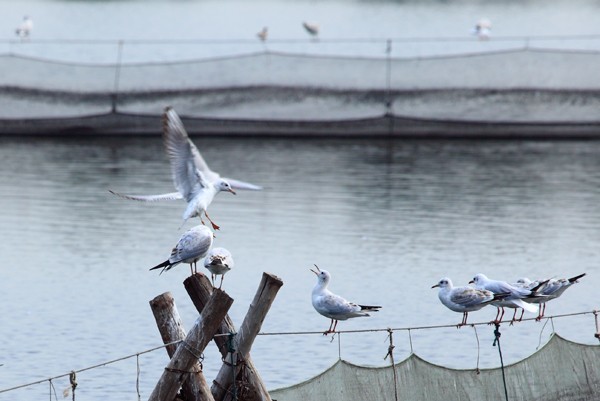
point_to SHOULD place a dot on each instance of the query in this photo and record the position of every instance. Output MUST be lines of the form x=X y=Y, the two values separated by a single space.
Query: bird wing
x=237 y=184
x=191 y=245
x=149 y=198
x=189 y=170
x=471 y=297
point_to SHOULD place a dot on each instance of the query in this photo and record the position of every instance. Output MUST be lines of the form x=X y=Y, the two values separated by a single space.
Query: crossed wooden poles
x=184 y=371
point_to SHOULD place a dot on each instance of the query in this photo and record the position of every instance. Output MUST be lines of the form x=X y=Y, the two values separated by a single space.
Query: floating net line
x=504 y=83
x=317 y=390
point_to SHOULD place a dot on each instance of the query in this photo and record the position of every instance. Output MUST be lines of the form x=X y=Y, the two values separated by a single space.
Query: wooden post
x=242 y=342
x=190 y=350
x=171 y=329
x=199 y=289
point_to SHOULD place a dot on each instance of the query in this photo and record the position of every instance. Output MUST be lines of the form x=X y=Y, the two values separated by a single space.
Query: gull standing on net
x=514 y=300
x=551 y=289
x=193 y=179
x=192 y=246
x=218 y=262
x=465 y=299
x=333 y=306
x=24 y=29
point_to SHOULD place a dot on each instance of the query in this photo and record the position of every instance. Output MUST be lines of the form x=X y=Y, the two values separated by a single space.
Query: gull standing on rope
x=193 y=179
x=218 y=261
x=551 y=289
x=24 y=29
x=514 y=300
x=191 y=247
x=333 y=306
x=465 y=299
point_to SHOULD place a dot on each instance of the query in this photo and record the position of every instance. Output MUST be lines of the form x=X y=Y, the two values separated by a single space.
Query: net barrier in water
x=508 y=92
x=561 y=370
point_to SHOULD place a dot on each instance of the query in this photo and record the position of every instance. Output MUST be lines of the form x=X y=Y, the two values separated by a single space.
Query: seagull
x=24 y=29
x=192 y=246
x=218 y=261
x=262 y=35
x=311 y=28
x=193 y=179
x=465 y=299
x=333 y=306
x=514 y=300
x=483 y=29
x=552 y=289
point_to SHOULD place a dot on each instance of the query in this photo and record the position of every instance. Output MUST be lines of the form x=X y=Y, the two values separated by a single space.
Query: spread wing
x=237 y=184
x=149 y=198
x=189 y=170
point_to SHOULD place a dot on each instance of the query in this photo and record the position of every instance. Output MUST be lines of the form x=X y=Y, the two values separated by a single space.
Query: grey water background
x=388 y=219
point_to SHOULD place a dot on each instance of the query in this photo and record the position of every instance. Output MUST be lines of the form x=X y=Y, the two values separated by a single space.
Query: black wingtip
x=574 y=279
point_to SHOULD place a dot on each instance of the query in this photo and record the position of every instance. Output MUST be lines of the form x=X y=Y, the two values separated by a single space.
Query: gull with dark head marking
x=551 y=289
x=194 y=180
x=333 y=306
x=515 y=300
x=25 y=27
x=193 y=245
x=218 y=262
x=465 y=299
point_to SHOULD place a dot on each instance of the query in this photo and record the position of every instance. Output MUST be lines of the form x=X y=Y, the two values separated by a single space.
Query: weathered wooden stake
x=199 y=289
x=242 y=342
x=190 y=350
x=171 y=330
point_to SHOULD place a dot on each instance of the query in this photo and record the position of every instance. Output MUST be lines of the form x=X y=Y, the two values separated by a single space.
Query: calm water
x=387 y=218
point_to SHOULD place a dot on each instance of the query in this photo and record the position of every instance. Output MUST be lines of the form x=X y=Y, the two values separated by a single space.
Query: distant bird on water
x=483 y=29
x=218 y=262
x=333 y=306
x=311 y=28
x=262 y=35
x=193 y=179
x=25 y=27
x=465 y=299
x=193 y=245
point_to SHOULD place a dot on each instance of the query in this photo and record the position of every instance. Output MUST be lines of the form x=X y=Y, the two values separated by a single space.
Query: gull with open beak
x=333 y=306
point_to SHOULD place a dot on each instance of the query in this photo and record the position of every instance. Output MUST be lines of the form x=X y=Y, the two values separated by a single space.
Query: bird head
x=223 y=185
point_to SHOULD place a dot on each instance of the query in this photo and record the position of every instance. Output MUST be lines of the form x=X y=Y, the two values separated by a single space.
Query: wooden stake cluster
x=184 y=370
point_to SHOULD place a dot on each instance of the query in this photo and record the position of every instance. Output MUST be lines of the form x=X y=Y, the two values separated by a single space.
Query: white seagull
x=192 y=246
x=552 y=289
x=24 y=29
x=483 y=29
x=311 y=28
x=193 y=179
x=218 y=261
x=465 y=299
x=262 y=35
x=333 y=306
x=514 y=300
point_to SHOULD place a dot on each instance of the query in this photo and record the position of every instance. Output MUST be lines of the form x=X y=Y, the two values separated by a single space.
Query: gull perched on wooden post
x=465 y=299
x=218 y=262
x=191 y=247
x=333 y=306
x=24 y=29
x=193 y=179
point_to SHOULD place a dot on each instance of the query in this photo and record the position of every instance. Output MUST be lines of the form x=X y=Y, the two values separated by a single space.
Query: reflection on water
x=388 y=219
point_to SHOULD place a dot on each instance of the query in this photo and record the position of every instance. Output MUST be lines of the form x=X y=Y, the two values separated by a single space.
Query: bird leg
x=191 y=271
x=521 y=317
x=214 y=226
x=541 y=312
x=498 y=320
x=464 y=320
x=331 y=328
x=514 y=318
x=222 y=275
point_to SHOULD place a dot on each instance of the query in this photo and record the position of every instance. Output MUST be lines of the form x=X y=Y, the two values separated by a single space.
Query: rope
x=497 y=341
x=320 y=333
x=478 y=348
x=390 y=353
x=137 y=379
x=231 y=349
